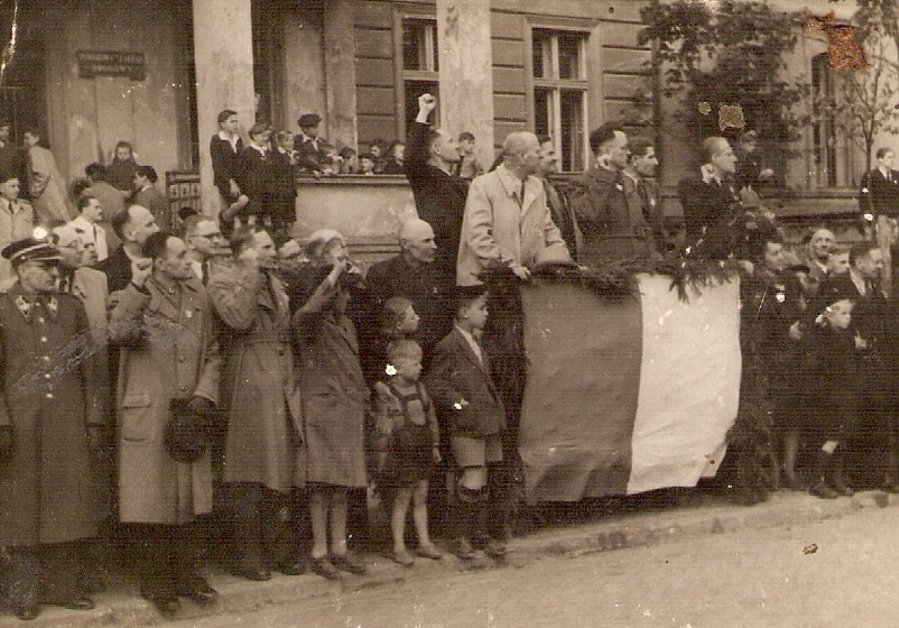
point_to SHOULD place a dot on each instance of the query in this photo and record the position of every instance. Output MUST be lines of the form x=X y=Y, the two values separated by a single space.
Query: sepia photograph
x=449 y=313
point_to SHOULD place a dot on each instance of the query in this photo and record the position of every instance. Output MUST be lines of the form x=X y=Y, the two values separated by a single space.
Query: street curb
x=621 y=531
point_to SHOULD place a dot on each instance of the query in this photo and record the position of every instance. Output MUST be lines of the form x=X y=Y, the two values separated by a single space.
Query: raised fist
x=426 y=102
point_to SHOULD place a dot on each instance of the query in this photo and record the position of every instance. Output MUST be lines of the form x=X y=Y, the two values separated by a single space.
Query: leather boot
x=466 y=524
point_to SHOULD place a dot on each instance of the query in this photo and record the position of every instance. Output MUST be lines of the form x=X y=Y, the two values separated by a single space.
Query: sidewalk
x=122 y=606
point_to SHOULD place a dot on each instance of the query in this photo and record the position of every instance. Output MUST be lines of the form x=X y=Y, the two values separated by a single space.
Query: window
x=420 y=63
x=560 y=93
x=823 y=137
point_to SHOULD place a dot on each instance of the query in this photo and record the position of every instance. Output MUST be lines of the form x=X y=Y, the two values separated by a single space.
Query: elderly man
x=507 y=222
x=411 y=274
x=439 y=195
x=164 y=321
x=821 y=242
x=51 y=419
x=608 y=208
x=262 y=403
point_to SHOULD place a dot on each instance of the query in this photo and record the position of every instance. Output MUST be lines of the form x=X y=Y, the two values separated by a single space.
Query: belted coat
x=51 y=392
x=260 y=392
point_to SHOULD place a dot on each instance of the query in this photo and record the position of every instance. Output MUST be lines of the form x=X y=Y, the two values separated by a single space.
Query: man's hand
x=249 y=258
x=795 y=331
x=141 y=270
x=521 y=272
x=426 y=104
x=767 y=173
x=860 y=343
x=435 y=455
x=235 y=189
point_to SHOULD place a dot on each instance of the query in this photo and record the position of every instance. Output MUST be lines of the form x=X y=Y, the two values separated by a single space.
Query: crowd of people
x=200 y=376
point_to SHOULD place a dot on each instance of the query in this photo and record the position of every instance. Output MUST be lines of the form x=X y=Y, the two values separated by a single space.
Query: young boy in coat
x=461 y=387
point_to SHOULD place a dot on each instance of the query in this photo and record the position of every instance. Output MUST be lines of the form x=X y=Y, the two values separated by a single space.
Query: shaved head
x=417 y=241
x=414 y=228
x=521 y=153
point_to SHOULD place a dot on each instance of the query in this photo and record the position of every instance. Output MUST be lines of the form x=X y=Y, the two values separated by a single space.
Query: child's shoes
x=428 y=551
x=403 y=557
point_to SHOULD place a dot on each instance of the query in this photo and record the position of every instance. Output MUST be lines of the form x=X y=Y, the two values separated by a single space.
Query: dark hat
x=187 y=433
x=309 y=119
x=30 y=250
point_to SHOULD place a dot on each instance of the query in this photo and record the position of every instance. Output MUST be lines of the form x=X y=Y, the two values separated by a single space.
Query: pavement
x=602 y=527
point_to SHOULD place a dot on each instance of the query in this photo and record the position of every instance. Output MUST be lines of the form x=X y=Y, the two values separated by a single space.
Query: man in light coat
x=164 y=321
x=507 y=222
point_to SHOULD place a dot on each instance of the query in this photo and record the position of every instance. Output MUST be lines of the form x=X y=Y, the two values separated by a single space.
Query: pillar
x=223 y=55
x=339 y=46
x=466 y=90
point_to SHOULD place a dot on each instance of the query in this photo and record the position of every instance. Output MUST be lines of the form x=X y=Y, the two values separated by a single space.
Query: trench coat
x=259 y=388
x=50 y=395
x=335 y=397
x=47 y=187
x=177 y=358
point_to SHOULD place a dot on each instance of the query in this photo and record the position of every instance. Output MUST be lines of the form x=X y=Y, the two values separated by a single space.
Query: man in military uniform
x=50 y=404
x=608 y=209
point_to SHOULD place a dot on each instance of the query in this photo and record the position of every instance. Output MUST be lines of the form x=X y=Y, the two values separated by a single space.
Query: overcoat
x=334 y=401
x=47 y=187
x=51 y=393
x=176 y=358
x=259 y=387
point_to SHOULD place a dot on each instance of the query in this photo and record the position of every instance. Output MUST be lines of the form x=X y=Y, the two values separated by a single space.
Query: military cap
x=30 y=250
x=309 y=119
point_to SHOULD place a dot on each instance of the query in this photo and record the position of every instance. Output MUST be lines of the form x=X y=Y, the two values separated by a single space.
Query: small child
x=837 y=379
x=366 y=164
x=408 y=424
x=460 y=383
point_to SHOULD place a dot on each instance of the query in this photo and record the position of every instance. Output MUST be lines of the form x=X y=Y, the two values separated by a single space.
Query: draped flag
x=627 y=396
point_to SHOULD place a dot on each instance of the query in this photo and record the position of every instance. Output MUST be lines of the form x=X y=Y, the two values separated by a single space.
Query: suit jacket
x=457 y=374
x=879 y=194
x=563 y=215
x=112 y=201
x=224 y=163
x=439 y=199
x=709 y=209
x=871 y=314
x=255 y=177
x=496 y=230
x=117 y=268
x=609 y=212
x=309 y=153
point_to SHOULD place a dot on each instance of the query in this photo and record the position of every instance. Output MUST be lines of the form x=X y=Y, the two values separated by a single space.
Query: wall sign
x=93 y=63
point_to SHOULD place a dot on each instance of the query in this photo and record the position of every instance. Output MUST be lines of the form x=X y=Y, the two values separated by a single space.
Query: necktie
x=204 y=271
x=521 y=194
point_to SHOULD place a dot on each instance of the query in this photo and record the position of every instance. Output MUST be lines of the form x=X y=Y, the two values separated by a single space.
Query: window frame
x=401 y=74
x=591 y=83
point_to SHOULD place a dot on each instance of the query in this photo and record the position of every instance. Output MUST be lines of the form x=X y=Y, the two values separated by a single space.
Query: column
x=223 y=55
x=466 y=90
x=339 y=45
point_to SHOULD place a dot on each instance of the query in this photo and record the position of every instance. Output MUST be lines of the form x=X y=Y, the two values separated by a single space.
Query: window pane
x=541 y=54
x=413 y=44
x=413 y=90
x=572 y=119
x=570 y=57
x=542 y=112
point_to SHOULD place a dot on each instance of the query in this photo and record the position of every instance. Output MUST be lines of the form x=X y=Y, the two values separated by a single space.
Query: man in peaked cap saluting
x=49 y=403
